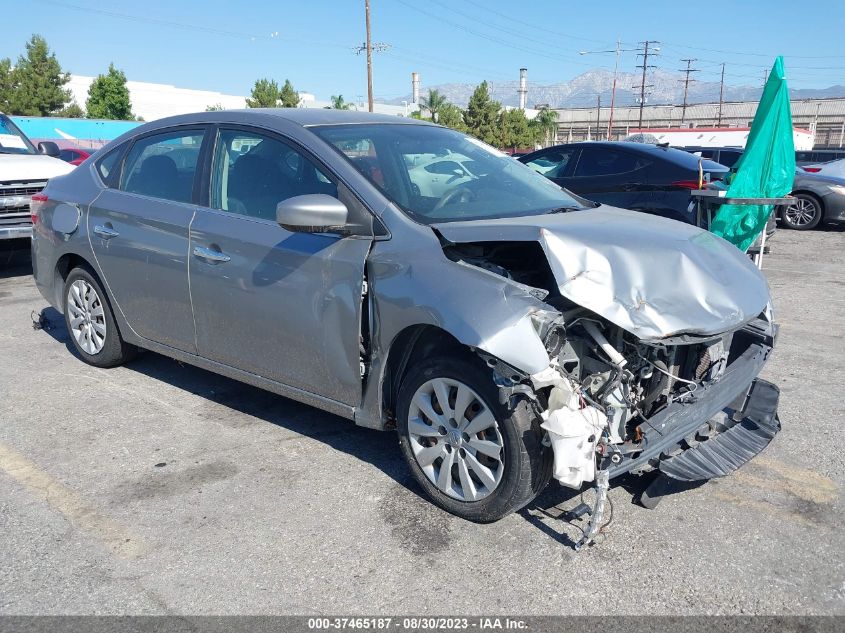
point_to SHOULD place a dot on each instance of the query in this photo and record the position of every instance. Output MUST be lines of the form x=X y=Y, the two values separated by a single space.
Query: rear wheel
x=473 y=456
x=90 y=321
x=804 y=214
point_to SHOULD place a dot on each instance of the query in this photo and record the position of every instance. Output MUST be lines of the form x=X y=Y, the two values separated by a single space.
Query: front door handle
x=211 y=254
x=106 y=232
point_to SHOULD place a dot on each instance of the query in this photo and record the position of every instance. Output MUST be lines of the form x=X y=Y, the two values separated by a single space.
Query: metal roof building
x=826 y=117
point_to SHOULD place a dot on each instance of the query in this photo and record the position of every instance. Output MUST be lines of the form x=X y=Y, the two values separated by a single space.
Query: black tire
x=527 y=463
x=793 y=220
x=115 y=351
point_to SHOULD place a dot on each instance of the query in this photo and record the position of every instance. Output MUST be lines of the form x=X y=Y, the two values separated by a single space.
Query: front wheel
x=473 y=456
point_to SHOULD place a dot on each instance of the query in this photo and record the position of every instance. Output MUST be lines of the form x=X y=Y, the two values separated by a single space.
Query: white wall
x=155 y=101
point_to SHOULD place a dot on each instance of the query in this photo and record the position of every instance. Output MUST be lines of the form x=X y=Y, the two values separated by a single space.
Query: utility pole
x=369 y=46
x=645 y=66
x=721 y=96
x=687 y=81
x=369 y=57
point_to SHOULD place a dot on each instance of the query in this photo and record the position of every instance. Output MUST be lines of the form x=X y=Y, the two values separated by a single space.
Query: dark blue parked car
x=638 y=176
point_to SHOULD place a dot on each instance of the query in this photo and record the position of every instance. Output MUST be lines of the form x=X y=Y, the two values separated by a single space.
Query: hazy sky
x=225 y=45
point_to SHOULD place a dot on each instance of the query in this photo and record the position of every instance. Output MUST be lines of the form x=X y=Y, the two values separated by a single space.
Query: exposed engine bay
x=605 y=389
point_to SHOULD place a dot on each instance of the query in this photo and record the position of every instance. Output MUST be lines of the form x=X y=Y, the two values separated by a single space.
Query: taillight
x=812 y=170
x=686 y=184
x=36 y=203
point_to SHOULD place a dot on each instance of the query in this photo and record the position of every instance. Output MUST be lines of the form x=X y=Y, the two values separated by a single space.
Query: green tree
x=72 y=111
x=37 y=81
x=6 y=84
x=451 y=116
x=434 y=102
x=288 y=97
x=213 y=108
x=338 y=103
x=265 y=94
x=108 y=97
x=482 y=115
x=515 y=129
x=545 y=125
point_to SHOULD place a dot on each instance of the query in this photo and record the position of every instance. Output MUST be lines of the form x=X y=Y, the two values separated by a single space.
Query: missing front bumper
x=739 y=411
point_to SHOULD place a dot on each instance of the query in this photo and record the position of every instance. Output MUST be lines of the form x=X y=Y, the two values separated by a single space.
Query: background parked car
x=75 y=155
x=835 y=168
x=639 y=176
x=812 y=157
x=818 y=199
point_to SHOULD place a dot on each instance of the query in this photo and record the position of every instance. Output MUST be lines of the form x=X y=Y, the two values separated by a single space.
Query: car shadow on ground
x=15 y=258
x=235 y=404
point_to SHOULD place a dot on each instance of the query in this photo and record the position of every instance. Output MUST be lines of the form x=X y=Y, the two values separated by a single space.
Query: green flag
x=766 y=168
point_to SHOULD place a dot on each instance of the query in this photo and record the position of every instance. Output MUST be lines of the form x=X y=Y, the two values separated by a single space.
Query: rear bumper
x=738 y=413
x=15 y=232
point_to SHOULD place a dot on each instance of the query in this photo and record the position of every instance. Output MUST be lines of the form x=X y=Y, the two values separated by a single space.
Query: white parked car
x=24 y=171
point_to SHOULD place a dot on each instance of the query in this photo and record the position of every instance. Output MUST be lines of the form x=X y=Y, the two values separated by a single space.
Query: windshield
x=438 y=175
x=12 y=140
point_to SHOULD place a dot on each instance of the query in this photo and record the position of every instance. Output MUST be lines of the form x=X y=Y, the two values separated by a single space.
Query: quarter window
x=552 y=164
x=163 y=165
x=253 y=173
x=108 y=164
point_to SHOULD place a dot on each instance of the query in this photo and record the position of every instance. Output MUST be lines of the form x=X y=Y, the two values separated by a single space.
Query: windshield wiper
x=566 y=209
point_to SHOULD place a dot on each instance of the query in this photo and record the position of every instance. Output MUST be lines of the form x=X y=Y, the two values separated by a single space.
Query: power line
x=687 y=81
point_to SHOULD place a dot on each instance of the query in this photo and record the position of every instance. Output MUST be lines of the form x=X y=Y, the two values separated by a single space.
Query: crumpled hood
x=649 y=275
x=16 y=167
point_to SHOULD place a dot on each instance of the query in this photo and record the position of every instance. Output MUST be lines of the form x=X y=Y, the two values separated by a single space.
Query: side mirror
x=49 y=148
x=312 y=213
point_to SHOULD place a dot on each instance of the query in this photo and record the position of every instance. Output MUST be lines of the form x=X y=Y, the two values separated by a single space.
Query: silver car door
x=285 y=306
x=139 y=235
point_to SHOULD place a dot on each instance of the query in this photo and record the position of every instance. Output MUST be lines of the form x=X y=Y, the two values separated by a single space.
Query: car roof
x=300 y=116
x=677 y=156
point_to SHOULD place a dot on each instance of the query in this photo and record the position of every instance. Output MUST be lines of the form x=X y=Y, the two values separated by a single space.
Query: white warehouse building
x=155 y=101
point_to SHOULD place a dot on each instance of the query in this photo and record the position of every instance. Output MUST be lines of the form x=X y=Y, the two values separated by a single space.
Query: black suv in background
x=650 y=178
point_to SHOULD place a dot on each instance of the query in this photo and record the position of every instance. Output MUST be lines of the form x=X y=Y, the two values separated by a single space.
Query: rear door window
x=163 y=165
x=604 y=162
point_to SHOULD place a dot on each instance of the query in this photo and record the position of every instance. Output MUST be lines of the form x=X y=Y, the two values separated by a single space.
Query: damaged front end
x=654 y=350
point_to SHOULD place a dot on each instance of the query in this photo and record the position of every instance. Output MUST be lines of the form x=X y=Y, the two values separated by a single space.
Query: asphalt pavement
x=160 y=488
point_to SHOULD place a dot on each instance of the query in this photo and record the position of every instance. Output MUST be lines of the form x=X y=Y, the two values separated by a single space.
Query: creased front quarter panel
x=478 y=308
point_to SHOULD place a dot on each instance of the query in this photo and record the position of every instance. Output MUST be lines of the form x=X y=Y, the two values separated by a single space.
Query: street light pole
x=616 y=51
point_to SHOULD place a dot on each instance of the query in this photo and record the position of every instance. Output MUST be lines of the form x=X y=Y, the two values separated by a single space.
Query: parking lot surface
x=159 y=488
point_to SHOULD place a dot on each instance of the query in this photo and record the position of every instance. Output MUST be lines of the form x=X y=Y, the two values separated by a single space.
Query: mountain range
x=582 y=91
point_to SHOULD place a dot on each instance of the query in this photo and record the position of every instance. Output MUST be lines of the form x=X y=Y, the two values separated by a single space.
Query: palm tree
x=434 y=102
x=338 y=103
x=546 y=124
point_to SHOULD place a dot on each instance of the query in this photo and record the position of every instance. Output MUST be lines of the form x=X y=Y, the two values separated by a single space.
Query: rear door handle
x=106 y=232
x=211 y=254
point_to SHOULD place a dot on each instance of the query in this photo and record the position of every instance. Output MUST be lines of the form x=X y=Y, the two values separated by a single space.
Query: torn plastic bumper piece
x=749 y=431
